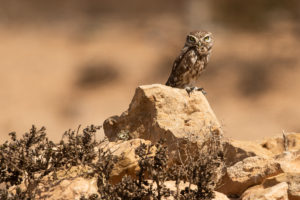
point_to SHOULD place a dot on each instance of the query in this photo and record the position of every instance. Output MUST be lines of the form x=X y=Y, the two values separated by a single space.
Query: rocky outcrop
x=127 y=160
x=252 y=171
x=283 y=186
x=268 y=166
x=68 y=185
x=274 y=171
x=220 y=196
x=172 y=187
x=289 y=161
x=276 y=192
x=236 y=151
x=72 y=188
x=158 y=111
x=248 y=172
x=293 y=181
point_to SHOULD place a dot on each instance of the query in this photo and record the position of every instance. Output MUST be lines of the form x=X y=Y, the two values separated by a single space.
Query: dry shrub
x=28 y=159
x=200 y=165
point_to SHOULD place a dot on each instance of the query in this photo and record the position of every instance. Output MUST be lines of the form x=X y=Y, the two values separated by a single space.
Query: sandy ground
x=252 y=80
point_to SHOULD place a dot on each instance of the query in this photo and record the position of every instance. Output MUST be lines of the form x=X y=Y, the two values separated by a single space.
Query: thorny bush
x=28 y=159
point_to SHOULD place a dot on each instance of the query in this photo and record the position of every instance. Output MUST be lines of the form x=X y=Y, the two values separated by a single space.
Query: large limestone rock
x=293 y=181
x=220 y=196
x=236 y=151
x=68 y=185
x=182 y=185
x=289 y=161
x=127 y=160
x=248 y=172
x=159 y=111
x=73 y=188
x=277 y=192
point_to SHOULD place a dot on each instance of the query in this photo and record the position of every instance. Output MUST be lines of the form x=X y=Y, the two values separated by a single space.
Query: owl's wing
x=183 y=63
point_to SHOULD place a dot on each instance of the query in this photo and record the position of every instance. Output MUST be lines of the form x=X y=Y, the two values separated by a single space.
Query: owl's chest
x=193 y=71
x=195 y=65
x=197 y=68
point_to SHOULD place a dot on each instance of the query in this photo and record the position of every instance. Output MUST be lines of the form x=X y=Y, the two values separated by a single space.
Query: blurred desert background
x=65 y=63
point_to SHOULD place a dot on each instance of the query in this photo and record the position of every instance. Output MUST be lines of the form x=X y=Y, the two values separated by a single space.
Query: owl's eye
x=207 y=39
x=191 y=39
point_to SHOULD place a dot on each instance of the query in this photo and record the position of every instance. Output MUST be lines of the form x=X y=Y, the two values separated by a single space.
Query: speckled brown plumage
x=192 y=60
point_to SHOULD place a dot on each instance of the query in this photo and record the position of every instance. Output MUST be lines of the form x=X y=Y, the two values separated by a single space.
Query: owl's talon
x=189 y=90
x=202 y=90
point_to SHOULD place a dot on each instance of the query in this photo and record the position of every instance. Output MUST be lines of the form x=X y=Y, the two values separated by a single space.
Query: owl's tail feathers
x=169 y=83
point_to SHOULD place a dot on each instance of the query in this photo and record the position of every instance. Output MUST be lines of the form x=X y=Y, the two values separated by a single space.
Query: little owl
x=192 y=61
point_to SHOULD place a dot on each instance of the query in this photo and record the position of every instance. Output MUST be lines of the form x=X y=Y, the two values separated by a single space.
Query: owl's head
x=202 y=40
